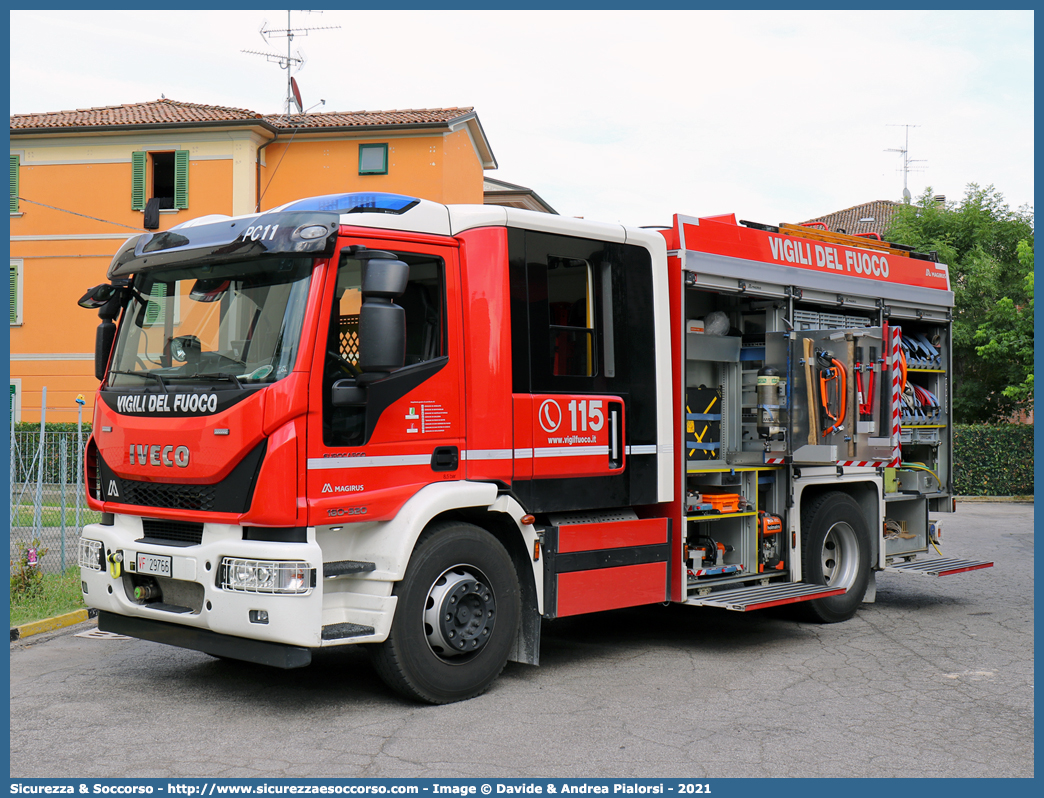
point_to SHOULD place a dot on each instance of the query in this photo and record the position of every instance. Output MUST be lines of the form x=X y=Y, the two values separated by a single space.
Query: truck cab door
x=366 y=460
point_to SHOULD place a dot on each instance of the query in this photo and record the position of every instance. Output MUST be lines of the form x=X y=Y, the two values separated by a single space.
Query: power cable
x=84 y=215
x=286 y=148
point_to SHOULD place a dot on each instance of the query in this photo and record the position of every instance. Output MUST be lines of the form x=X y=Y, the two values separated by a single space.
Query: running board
x=744 y=599
x=940 y=566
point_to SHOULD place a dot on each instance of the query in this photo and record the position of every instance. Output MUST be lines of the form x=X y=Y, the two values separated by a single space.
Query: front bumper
x=193 y=597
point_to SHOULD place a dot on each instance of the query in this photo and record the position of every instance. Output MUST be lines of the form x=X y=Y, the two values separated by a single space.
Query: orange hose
x=842 y=398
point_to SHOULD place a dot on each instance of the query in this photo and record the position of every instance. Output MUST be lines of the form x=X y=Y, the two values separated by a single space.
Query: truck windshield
x=238 y=323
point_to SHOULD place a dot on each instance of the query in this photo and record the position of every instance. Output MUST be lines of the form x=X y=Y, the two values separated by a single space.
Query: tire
x=835 y=545
x=456 y=618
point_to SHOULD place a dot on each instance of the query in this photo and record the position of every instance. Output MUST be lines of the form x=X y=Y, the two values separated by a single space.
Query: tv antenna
x=905 y=152
x=290 y=62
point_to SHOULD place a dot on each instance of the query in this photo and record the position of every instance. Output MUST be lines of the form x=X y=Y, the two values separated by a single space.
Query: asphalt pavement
x=933 y=680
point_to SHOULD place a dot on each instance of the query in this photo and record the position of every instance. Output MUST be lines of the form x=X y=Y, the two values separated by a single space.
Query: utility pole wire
x=84 y=215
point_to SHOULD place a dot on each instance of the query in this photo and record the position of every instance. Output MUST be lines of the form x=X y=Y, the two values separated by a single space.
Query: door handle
x=616 y=442
x=445 y=458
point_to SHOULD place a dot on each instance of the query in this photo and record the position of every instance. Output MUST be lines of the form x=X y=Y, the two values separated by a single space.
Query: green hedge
x=993 y=460
x=52 y=426
x=27 y=438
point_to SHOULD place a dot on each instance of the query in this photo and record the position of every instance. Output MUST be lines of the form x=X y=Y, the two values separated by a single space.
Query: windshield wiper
x=218 y=376
x=154 y=376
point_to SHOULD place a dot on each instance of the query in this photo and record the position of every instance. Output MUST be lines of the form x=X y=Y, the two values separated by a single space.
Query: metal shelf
x=718 y=516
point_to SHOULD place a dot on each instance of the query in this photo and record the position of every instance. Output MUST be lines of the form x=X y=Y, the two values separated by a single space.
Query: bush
x=52 y=426
x=27 y=441
x=993 y=460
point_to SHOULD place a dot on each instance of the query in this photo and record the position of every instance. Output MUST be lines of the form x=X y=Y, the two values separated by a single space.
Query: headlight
x=266 y=576
x=91 y=554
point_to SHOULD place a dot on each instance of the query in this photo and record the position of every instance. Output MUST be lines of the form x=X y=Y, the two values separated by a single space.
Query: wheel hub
x=840 y=556
x=459 y=613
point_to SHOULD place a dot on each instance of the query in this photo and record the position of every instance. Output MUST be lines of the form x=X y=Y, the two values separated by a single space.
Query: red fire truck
x=370 y=418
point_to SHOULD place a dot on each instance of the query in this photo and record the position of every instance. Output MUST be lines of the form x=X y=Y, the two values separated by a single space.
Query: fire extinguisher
x=770 y=404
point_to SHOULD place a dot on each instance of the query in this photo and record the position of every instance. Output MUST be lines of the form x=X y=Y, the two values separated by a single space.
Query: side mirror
x=103 y=338
x=382 y=323
x=383 y=275
x=382 y=336
x=97 y=296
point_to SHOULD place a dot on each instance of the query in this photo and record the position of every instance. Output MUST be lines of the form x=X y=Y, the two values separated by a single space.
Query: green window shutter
x=14 y=184
x=138 y=160
x=14 y=294
x=181 y=169
x=154 y=310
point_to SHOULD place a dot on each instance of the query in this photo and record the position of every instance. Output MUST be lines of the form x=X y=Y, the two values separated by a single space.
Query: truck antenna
x=291 y=63
x=905 y=152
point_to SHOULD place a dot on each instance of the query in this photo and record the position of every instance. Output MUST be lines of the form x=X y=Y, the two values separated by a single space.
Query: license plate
x=153 y=564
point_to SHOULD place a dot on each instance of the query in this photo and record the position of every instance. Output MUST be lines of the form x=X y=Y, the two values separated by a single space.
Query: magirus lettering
x=328 y=488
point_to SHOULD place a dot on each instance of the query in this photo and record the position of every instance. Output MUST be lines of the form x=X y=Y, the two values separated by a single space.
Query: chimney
x=939 y=199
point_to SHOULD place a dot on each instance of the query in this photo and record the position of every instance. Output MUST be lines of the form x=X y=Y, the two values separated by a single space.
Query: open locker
x=841 y=397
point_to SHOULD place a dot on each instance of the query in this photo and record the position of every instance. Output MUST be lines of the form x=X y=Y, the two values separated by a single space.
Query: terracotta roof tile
x=879 y=212
x=151 y=113
x=409 y=116
x=166 y=111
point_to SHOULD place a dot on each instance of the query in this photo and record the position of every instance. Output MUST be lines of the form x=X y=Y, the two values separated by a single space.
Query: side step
x=340 y=631
x=940 y=566
x=743 y=599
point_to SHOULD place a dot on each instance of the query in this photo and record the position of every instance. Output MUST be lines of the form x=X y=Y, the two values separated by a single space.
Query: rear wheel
x=835 y=552
x=456 y=618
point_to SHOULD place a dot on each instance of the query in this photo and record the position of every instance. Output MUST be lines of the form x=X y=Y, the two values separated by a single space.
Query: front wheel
x=456 y=618
x=835 y=544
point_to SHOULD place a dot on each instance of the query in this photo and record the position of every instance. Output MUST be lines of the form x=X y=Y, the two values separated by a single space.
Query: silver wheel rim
x=840 y=555
x=459 y=613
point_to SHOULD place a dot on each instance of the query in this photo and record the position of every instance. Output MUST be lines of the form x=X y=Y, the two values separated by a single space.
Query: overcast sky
x=611 y=115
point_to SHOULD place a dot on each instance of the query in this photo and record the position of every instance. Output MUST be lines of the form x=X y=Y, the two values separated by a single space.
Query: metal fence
x=48 y=503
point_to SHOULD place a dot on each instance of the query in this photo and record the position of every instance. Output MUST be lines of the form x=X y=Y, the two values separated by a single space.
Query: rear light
x=90 y=470
x=266 y=576
x=91 y=554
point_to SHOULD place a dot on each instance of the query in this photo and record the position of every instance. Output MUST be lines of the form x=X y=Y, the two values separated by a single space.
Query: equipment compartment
x=925 y=424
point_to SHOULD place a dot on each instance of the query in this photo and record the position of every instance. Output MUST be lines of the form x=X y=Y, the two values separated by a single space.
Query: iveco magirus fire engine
x=375 y=419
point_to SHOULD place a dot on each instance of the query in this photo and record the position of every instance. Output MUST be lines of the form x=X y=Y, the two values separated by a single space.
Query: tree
x=1007 y=333
x=989 y=249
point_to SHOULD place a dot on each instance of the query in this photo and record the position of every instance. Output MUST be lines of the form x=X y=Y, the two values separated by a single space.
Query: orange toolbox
x=724 y=502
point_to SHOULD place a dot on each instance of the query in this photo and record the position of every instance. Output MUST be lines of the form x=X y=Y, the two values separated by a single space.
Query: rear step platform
x=743 y=599
x=940 y=566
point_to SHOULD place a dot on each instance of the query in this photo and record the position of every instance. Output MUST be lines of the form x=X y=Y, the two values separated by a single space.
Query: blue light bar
x=370 y=202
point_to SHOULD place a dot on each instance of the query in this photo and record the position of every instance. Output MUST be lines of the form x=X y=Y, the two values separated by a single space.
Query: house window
x=14 y=183
x=373 y=159
x=16 y=400
x=162 y=176
x=161 y=299
x=16 y=292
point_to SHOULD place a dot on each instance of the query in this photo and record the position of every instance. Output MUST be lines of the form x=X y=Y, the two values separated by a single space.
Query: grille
x=174 y=497
x=177 y=532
